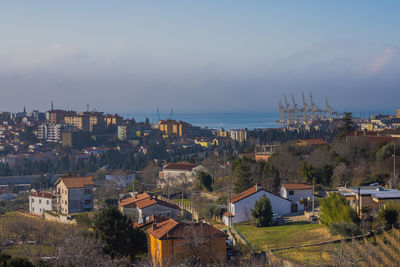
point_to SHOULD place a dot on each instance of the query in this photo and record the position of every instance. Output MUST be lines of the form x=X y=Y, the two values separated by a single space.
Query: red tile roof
x=293 y=186
x=227 y=214
x=180 y=166
x=147 y=202
x=249 y=192
x=315 y=141
x=246 y=193
x=130 y=200
x=171 y=229
x=76 y=182
x=42 y=194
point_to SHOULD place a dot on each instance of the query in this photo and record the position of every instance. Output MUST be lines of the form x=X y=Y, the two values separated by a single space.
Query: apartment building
x=74 y=194
x=173 y=127
x=81 y=121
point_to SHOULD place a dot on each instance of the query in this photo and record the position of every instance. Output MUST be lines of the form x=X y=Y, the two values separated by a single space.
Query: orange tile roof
x=315 y=141
x=162 y=228
x=249 y=192
x=246 y=193
x=293 y=186
x=171 y=229
x=130 y=200
x=147 y=202
x=76 y=182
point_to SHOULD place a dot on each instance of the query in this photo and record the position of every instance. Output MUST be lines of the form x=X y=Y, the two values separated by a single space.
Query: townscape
x=199 y=133
x=122 y=192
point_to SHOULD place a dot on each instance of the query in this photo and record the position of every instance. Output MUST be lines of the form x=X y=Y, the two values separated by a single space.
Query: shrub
x=344 y=229
x=335 y=208
x=390 y=213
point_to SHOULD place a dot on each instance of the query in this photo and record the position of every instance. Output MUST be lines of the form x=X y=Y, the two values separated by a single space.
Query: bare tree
x=20 y=228
x=83 y=251
x=212 y=164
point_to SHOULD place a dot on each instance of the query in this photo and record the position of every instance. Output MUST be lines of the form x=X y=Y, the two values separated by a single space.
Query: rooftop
x=298 y=186
x=180 y=166
x=133 y=199
x=147 y=202
x=171 y=229
x=378 y=192
x=76 y=182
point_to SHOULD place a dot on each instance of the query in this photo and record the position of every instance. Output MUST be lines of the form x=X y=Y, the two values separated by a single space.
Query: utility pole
x=313 y=197
x=394 y=165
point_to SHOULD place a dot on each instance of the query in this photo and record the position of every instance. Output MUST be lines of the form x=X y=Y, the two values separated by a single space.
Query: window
x=87 y=202
x=87 y=191
x=291 y=193
x=47 y=202
x=33 y=209
x=65 y=202
x=40 y=201
x=33 y=200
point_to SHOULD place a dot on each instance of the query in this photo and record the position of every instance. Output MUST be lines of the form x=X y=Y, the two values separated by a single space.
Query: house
x=175 y=172
x=41 y=201
x=74 y=194
x=311 y=142
x=145 y=222
x=128 y=205
x=296 y=192
x=373 y=197
x=171 y=243
x=154 y=206
x=239 y=208
x=120 y=178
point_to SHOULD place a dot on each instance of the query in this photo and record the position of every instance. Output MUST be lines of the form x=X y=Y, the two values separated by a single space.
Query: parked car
x=277 y=219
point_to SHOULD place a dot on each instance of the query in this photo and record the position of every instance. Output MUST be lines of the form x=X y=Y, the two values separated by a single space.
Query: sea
x=230 y=121
x=219 y=120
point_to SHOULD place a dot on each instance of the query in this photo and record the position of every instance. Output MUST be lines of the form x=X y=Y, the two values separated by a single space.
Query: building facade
x=41 y=201
x=172 y=243
x=74 y=194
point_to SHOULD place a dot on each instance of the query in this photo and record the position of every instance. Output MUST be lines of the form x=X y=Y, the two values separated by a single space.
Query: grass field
x=297 y=233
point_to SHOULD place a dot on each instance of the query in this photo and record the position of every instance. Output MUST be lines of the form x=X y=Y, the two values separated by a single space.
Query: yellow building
x=170 y=127
x=56 y=116
x=112 y=119
x=96 y=119
x=82 y=122
x=171 y=242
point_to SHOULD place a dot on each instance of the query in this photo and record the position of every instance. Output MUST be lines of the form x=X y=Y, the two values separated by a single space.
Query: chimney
x=134 y=195
x=257 y=187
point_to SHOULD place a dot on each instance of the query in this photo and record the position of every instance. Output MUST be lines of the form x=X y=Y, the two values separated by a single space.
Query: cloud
x=381 y=60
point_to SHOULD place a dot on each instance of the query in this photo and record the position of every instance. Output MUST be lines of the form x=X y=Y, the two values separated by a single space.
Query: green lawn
x=297 y=233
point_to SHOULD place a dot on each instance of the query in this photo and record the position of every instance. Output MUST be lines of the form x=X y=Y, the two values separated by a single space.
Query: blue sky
x=203 y=56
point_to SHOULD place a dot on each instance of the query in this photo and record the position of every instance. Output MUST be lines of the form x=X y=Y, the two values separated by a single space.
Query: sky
x=198 y=56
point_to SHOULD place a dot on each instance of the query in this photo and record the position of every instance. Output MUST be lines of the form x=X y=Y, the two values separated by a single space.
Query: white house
x=175 y=172
x=239 y=208
x=297 y=191
x=41 y=201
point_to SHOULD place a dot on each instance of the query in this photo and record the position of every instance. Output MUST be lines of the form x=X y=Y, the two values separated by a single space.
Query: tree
x=335 y=208
x=149 y=175
x=212 y=164
x=118 y=235
x=348 y=124
x=262 y=211
x=205 y=180
x=209 y=211
x=345 y=229
x=242 y=175
x=307 y=172
x=390 y=213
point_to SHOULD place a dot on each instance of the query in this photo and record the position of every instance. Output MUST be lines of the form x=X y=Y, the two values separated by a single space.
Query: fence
x=183 y=206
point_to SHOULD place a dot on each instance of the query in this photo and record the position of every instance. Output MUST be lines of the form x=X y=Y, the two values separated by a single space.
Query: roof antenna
x=52 y=108
x=87 y=107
